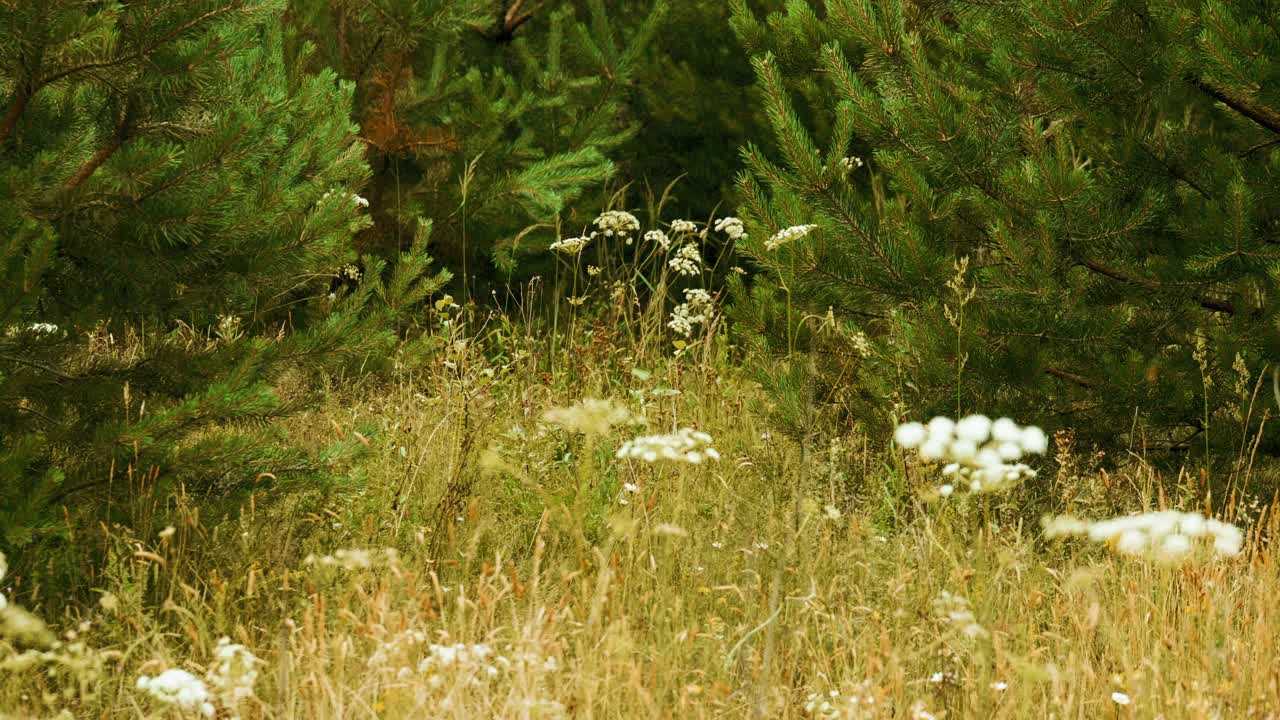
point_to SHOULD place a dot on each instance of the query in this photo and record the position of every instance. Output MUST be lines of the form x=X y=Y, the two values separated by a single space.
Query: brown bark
x=20 y=100
x=1257 y=112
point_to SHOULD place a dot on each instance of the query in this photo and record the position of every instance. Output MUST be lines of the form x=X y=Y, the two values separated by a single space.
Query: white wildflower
x=732 y=227
x=617 y=222
x=571 y=246
x=786 y=235
x=659 y=238
x=1167 y=536
x=590 y=416
x=697 y=309
x=235 y=673
x=955 y=610
x=910 y=435
x=679 y=227
x=975 y=449
x=851 y=163
x=1119 y=698
x=687 y=260
x=179 y=688
x=686 y=445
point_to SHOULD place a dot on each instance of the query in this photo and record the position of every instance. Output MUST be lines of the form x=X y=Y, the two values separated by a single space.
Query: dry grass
x=730 y=589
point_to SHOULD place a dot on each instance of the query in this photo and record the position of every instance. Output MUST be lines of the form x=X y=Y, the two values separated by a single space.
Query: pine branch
x=1257 y=112
x=123 y=128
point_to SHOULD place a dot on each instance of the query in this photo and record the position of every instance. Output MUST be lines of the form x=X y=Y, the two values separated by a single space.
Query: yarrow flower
x=617 y=222
x=179 y=688
x=976 y=450
x=1167 y=536
x=685 y=445
x=786 y=235
x=687 y=260
x=697 y=309
x=732 y=227
x=851 y=163
x=571 y=246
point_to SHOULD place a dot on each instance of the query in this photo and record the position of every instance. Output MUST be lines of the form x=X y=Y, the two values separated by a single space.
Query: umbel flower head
x=178 y=688
x=980 y=454
x=732 y=227
x=786 y=235
x=571 y=246
x=617 y=222
x=697 y=309
x=685 y=445
x=1167 y=536
x=687 y=260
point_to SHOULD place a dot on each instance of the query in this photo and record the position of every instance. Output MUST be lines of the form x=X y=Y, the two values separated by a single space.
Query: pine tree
x=172 y=196
x=1067 y=213
x=488 y=118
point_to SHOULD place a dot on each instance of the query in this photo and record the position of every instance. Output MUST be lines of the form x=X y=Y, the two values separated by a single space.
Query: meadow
x=507 y=546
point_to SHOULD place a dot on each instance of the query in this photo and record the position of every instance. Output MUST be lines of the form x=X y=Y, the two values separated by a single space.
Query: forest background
x=319 y=276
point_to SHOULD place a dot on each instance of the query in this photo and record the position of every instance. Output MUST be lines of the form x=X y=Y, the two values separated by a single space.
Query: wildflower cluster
x=834 y=705
x=180 y=689
x=573 y=245
x=686 y=445
x=697 y=309
x=687 y=260
x=955 y=611
x=617 y=222
x=356 y=199
x=354 y=559
x=732 y=227
x=849 y=164
x=680 y=227
x=1167 y=536
x=786 y=235
x=590 y=416
x=977 y=450
x=235 y=672
x=658 y=238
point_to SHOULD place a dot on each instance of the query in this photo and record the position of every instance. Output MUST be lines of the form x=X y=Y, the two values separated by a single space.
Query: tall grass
x=483 y=562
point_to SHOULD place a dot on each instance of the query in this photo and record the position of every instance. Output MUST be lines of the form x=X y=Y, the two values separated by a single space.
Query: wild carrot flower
x=235 y=673
x=683 y=226
x=687 y=260
x=178 y=688
x=697 y=309
x=685 y=445
x=975 y=449
x=658 y=237
x=732 y=227
x=1167 y=536
x=617 y=222
x=786 y=235
x=571 y=246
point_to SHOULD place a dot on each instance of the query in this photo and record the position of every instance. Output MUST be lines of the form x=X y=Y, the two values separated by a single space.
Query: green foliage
x=488 y=118
x=172 y=196
x=1067 y=212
